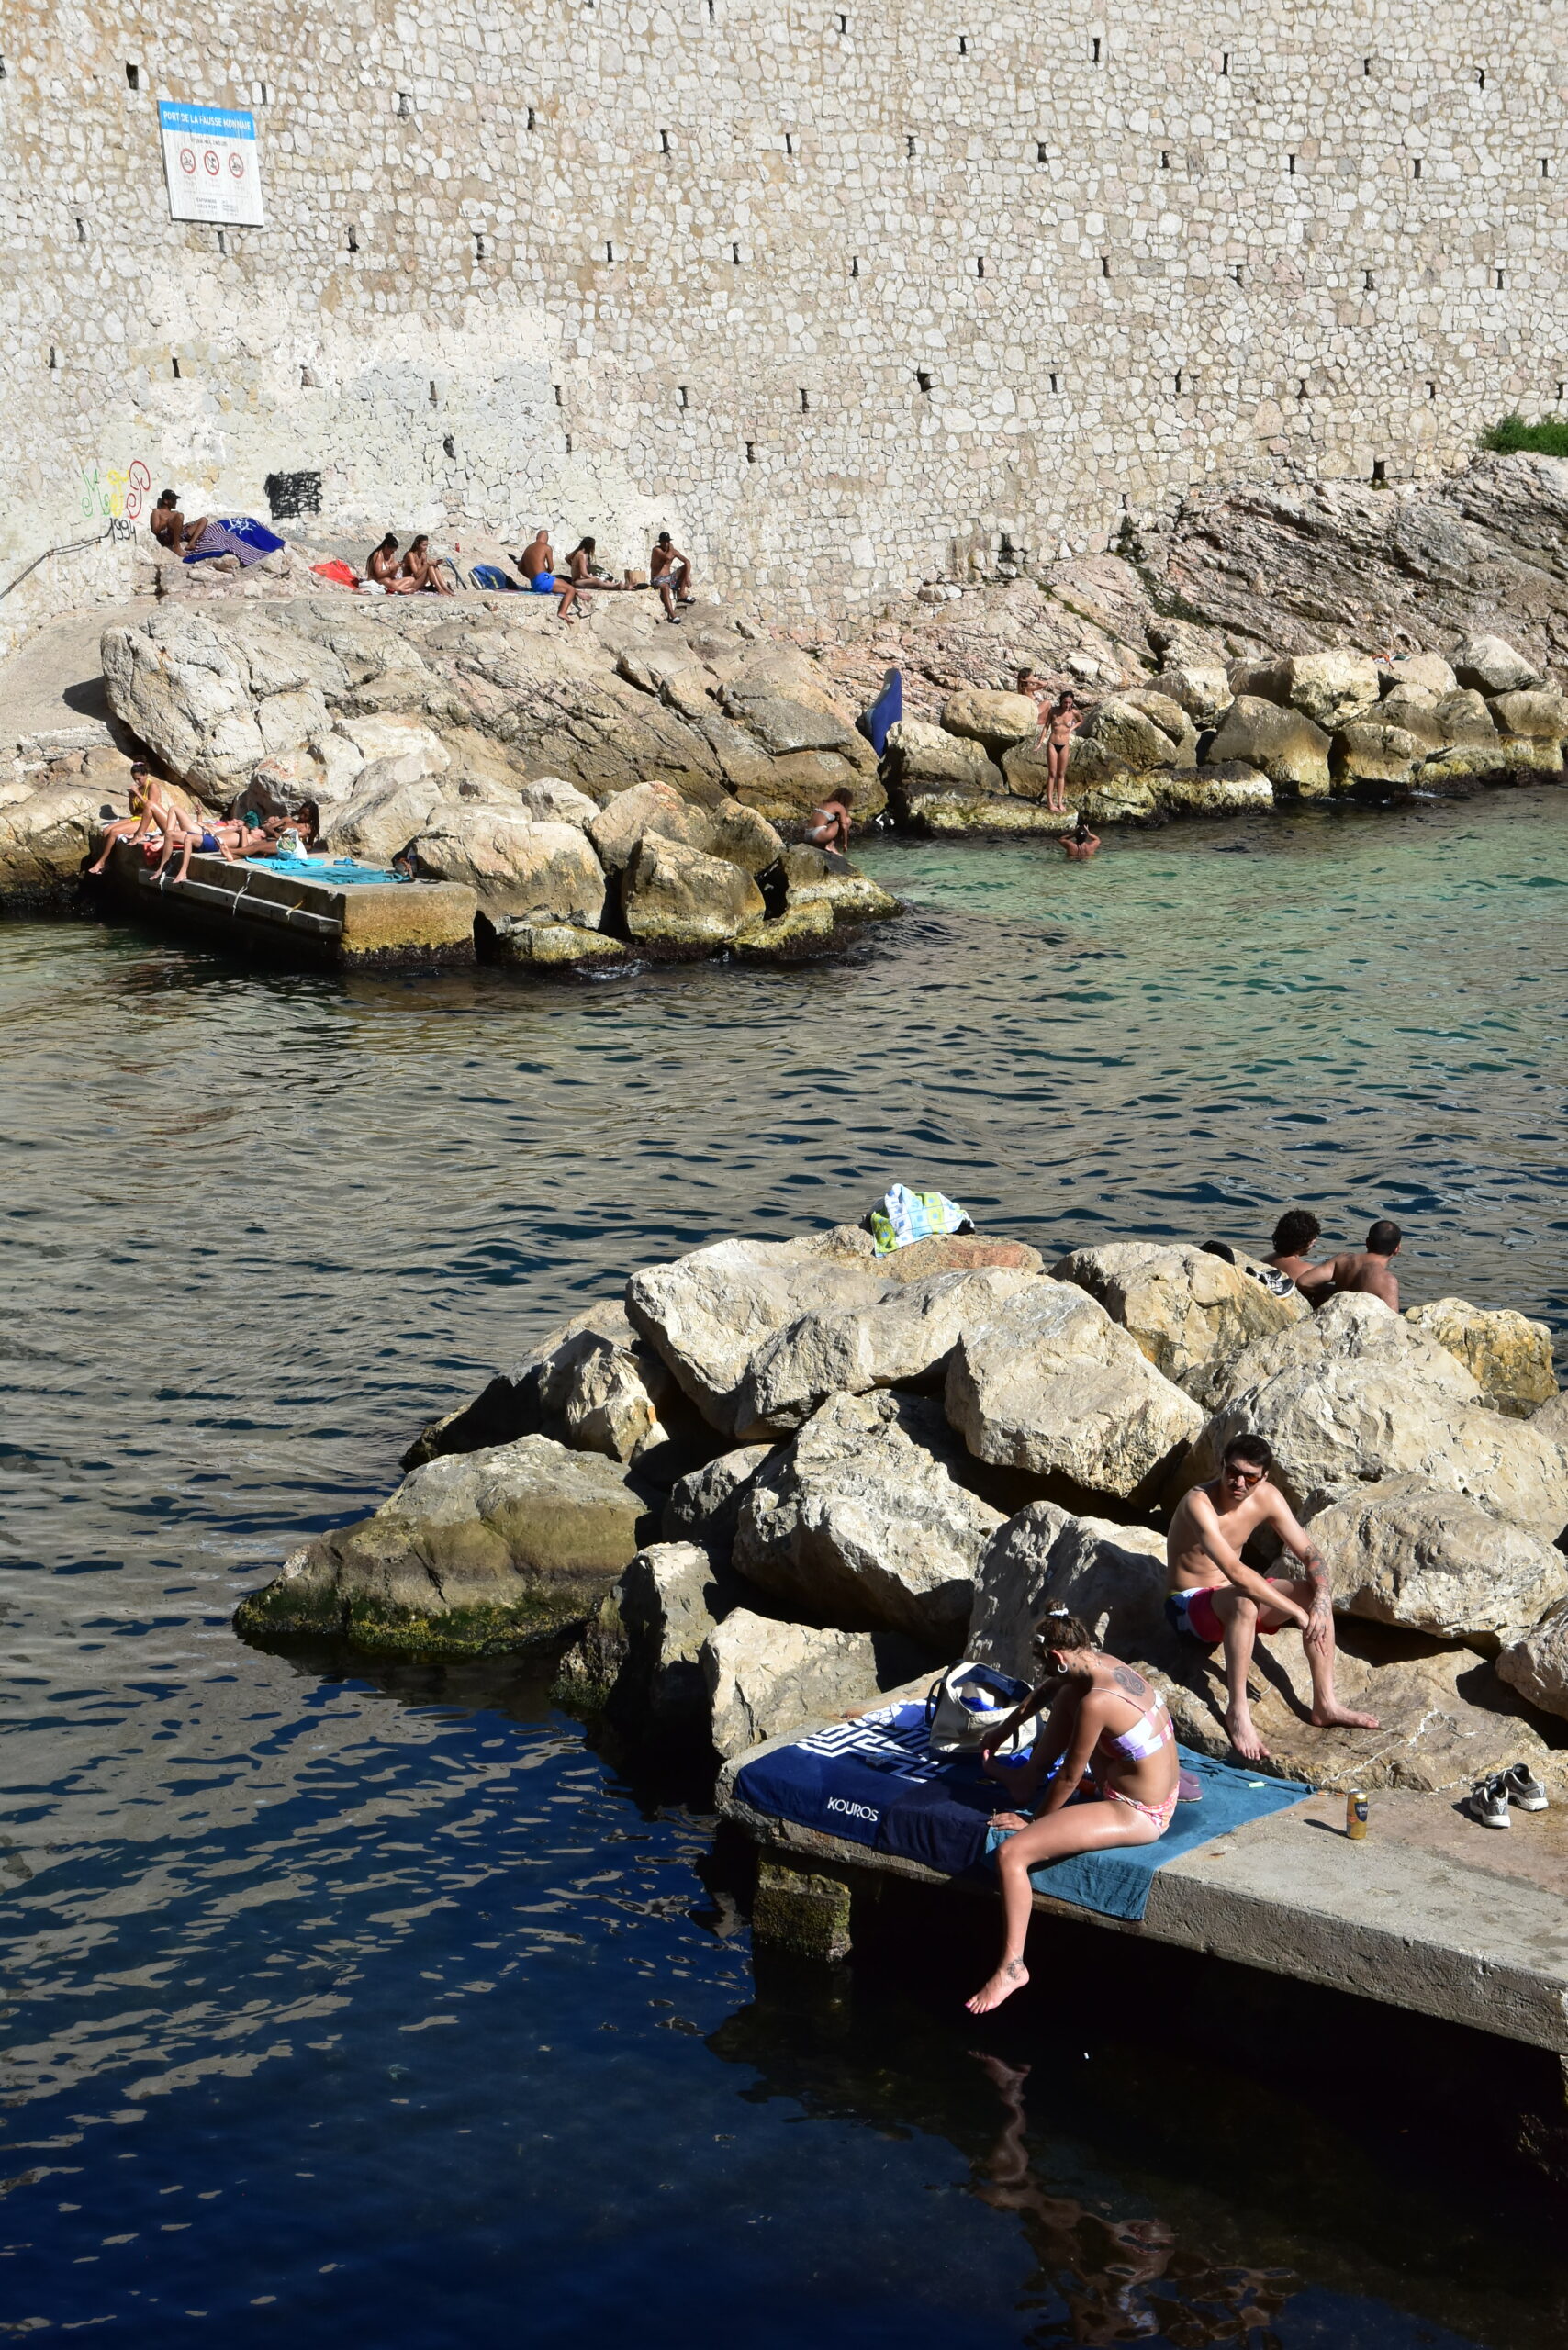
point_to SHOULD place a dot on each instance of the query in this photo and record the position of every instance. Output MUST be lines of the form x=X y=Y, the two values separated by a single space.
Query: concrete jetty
x=360 y=926
x=1430 y=1912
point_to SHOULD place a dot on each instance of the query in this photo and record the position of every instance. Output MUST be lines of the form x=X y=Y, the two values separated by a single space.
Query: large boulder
x=928 y=755
x=1172 y=720
x=1191 y=1313
x=676 y=901
x=514 y=866
x=1509 y=1355
x=1112 y=1578
x=1129 y=737
x=551 y=801
x=704 y=1506
x=385 y=815
x=475 y=1552
x=1409 y=1553
x=1334 y=690
x=1287 y=747
x=861 y=1522
x=1534 y=717
x=1536 y=1665
x=211 y=700
x=707 y=1314
x=1052 y=1386
x=45 y=840
x=817 y=876
x=1372 y=752
x=1356 y=1395
x=901 y=1339
x=617 y=828
x=1427 y=672
x=1212 y=790
x=765 y=1678
x=1413 y=711
x=995 y=719
x=1201 y=688
x=591 y=1382
x=670 y=1599
x=1490 y=667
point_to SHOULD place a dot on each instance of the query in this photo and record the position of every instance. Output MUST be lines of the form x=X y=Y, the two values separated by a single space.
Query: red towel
x=337 y=570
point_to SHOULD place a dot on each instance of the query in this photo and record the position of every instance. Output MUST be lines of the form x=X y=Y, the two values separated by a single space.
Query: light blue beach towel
x=906 y=1216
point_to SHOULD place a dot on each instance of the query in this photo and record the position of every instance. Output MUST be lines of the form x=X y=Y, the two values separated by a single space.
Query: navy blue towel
x=885 y=712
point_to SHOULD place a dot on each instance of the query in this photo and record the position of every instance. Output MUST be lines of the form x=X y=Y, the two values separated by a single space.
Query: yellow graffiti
x=116 y=492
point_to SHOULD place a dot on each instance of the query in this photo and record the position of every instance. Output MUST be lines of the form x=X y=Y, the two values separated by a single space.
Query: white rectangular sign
x=210 y=163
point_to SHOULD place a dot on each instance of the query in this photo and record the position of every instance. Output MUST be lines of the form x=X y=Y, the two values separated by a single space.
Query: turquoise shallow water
x=380 y=2004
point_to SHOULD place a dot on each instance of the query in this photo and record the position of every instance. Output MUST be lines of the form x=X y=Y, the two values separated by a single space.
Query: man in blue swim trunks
x=1216 y=1599
x=537 y=563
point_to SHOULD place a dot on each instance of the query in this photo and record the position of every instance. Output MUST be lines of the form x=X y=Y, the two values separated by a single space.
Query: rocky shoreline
x=624 y=790
x=778 y=1479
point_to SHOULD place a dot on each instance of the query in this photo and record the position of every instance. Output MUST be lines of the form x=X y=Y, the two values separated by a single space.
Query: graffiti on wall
x=114 y=493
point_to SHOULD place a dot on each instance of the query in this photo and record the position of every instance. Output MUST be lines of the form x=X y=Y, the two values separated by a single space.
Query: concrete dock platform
x=359 y=926
x=1427 y=1913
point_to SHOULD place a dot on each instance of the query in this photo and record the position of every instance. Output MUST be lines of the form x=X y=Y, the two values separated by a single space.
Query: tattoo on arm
x=1133 y=1682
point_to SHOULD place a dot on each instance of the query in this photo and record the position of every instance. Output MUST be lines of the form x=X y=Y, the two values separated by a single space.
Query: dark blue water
x=380 y=2006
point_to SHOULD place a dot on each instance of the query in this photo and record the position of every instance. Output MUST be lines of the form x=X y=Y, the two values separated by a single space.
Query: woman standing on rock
x=1106 y=1726
x=1059 y=725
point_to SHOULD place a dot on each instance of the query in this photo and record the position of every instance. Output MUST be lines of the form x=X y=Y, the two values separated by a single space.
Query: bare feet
x=1010 y=1976
x=1243 y=1737
x=1338 y=1716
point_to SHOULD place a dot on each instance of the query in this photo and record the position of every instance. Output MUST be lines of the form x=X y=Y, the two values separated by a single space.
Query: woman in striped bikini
x=1109 y=1734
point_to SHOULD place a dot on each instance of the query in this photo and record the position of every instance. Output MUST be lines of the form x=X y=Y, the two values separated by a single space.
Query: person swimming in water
x=1108 y=1731
x=1079 y=845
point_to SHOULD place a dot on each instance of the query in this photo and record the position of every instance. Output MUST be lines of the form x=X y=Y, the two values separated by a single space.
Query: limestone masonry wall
x=842 y=294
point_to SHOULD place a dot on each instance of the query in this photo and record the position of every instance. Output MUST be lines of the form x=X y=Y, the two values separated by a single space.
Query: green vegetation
x=1547 y=439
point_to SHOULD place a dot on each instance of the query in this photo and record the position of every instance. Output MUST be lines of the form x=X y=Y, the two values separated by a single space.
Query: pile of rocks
x=1199 y=737
x=606 y=792
x=775 y=1478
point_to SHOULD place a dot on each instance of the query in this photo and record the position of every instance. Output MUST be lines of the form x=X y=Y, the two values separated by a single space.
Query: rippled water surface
x=376 y=2005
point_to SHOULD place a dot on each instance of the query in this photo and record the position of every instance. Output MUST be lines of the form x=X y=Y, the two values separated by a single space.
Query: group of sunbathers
x=1105 y=1753
x=670 y=575
x=165 y=830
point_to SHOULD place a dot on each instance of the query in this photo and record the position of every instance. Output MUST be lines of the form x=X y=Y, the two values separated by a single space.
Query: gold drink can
x=1355 y=1814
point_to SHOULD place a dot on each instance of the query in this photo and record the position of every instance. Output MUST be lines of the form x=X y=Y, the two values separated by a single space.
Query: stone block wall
x=841 y=295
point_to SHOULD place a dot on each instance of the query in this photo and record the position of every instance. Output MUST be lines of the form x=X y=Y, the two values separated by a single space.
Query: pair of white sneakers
x=1489 y=1799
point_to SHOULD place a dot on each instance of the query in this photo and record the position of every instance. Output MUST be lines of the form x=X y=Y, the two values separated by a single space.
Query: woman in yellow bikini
x=1107 y=1728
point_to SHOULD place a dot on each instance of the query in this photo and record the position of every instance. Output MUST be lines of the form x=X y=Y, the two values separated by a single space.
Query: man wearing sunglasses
x=1214 y=1598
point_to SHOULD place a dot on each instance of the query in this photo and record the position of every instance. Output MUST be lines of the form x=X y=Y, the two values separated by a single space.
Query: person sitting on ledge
x=827 y=826
x=151 y=811
x=419 y=566
x=537 y=563
x=1080 y=844
x=1106 y=1727
x=1293 y=1236
x=1369 y=1272
x=580 y=575
x=1215 y=1598
x=383 y=568
x=671 y=572
x=169 y=526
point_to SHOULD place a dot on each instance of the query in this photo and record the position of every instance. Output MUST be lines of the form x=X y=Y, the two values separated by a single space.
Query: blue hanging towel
x=884 y=712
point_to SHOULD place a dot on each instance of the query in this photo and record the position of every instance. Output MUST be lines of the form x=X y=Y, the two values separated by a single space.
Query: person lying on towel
x=1111 y=1740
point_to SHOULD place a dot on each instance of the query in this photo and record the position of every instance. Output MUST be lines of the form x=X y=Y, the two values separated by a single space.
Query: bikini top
x=1147 y=1735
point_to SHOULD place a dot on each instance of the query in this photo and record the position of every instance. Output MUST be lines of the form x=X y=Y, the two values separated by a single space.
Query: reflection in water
x=1103 y=2268
x=383 y=1982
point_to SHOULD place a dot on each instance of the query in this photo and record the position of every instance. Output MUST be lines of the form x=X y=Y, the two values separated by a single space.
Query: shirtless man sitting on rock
x=1215 y=1598
x=1369 y=1272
